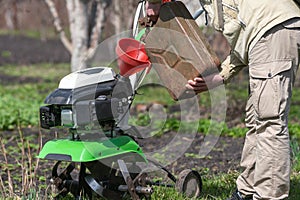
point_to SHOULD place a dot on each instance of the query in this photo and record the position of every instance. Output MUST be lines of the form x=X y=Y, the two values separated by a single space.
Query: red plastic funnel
x=132 y=56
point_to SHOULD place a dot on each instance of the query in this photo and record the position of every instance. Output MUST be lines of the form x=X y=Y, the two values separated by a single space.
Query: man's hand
x=152 y=10
x=202 y=84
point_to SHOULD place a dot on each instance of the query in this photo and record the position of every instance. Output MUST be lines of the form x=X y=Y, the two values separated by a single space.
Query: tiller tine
x=64 y=182
x=128 y=180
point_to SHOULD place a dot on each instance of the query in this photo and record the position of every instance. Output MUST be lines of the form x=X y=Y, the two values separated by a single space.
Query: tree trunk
x=97 y=27
x=117 y=17
x=85 y=33
x=132 y=4
x=78 y=15
x=86 y=22
x=10 y=15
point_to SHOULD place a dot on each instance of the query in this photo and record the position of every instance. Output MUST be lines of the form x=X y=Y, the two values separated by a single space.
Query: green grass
x=48 y=71
x=219 y=187
x=19 y=104
x=214 y=187
x=158 y=94
x=35 y=34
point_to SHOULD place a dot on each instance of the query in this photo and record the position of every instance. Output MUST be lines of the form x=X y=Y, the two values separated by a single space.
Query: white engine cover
x=87 y=77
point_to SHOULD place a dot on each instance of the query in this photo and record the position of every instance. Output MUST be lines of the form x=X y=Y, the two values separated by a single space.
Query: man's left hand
x=152 y=10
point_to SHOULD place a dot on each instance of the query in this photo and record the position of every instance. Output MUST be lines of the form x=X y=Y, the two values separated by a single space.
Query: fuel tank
x=178 y=50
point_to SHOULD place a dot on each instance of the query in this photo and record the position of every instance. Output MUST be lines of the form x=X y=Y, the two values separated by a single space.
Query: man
x=265 y=36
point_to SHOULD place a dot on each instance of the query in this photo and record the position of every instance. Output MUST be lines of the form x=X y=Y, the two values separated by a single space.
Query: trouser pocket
x=266 y=95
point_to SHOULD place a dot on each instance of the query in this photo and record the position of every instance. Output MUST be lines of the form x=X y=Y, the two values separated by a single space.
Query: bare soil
x=18 y=49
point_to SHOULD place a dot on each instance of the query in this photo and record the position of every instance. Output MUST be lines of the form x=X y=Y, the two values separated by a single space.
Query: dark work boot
x=238 y=196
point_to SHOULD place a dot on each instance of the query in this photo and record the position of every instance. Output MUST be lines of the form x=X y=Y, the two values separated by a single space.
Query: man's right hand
x=200 y=84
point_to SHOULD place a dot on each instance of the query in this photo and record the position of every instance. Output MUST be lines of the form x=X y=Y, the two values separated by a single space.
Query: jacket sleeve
x=230 y=67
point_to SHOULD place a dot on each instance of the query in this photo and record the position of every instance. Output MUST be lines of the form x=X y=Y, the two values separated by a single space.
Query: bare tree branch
x=57 y=25
x=70 y=4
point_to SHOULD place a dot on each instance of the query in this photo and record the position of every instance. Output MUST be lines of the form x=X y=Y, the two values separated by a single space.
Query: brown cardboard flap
x=178 y=50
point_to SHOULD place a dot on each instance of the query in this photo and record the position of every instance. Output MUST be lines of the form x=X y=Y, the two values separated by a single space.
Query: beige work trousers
x=273 y=64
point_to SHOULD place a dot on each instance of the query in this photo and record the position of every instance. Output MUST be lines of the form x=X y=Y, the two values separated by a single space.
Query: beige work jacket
x=243 y=23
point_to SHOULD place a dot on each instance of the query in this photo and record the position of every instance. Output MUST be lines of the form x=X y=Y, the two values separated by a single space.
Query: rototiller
x=94 y=105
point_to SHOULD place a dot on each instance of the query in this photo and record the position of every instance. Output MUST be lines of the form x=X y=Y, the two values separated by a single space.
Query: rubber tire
x=184 y=181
